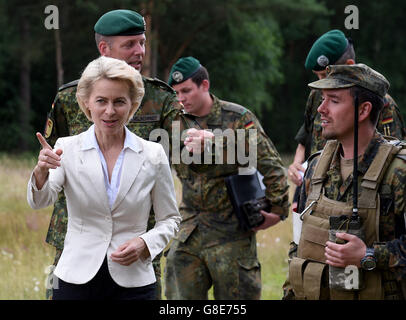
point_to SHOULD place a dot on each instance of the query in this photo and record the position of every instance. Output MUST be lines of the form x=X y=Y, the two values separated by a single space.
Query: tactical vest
x=308 y=272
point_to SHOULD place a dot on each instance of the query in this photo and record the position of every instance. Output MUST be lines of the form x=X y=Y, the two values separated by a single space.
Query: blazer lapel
x=91 y=166
x=132 y=164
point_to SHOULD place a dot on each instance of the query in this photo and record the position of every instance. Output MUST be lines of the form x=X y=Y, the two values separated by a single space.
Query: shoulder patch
x=249 y=125
x=48 y=128
x=73 y=83
x=387 y=120
x=228 y=106
x=160 y=83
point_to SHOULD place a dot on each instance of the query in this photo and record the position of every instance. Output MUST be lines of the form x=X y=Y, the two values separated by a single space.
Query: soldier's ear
x=364 y=110
x=206 y=85
x=104 y=48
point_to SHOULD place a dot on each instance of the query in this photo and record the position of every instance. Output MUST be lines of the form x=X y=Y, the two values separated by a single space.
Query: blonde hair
x=111 y=69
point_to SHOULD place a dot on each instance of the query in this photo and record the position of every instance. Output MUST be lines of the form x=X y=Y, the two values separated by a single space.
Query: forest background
x=254 y=50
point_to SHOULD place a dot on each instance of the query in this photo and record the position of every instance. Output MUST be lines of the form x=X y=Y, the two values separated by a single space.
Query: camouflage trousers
x=51 y=281
x=232 y=269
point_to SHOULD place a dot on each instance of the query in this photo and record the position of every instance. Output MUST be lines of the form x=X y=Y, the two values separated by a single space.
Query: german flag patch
x=48 y=128
x=387 y=120
x=249 y=125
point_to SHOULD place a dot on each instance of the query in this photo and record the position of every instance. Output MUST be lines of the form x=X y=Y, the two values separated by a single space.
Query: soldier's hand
x=197 y=139
x=47 y=159
x=295 y=173
x=270 y=220
x=342 y=255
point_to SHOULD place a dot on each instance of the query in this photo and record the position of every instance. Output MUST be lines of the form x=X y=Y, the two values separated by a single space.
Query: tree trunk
x=154 y=51
x=146 y=11
x=146 y=66
x=25 y=85
x=58 y=51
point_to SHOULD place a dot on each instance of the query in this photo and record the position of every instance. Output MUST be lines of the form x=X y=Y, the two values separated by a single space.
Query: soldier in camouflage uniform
x=334 y=48
x=211 y=248
x=327 y=191
x=119 y=34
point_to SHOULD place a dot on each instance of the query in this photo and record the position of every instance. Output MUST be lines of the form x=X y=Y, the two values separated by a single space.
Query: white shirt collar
x=90 y=141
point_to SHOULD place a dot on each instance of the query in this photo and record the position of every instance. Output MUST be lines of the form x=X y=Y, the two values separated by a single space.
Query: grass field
x=24 y=255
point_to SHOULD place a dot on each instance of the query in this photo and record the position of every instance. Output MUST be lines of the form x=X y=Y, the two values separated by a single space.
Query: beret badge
x=177 y=76
x=322 y=61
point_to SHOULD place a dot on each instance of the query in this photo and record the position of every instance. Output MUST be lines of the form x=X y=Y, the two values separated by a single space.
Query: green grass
x=24 y=255
x=273 y=246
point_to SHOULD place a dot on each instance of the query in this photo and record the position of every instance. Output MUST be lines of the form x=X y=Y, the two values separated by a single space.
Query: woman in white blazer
x=111 y=178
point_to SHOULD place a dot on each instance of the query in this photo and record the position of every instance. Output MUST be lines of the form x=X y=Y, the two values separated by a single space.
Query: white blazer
x=94 y=230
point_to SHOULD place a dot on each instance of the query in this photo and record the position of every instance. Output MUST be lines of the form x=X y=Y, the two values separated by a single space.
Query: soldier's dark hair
x=349 y=53
x=99 y=37
x=200 y=75
x=367 y=95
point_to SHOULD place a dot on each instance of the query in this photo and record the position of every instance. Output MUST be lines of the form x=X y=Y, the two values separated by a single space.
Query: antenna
x=355 y=162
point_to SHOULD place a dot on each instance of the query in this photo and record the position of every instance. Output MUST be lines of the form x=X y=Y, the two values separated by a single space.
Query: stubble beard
x=328 y=135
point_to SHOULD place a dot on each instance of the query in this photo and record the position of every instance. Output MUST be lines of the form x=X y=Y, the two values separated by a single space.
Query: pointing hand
x=47 y=159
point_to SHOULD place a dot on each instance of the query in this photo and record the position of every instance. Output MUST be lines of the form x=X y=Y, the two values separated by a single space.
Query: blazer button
x=106 y=238
x=107 y=218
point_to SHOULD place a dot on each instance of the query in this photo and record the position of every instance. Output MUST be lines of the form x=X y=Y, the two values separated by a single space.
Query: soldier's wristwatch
x=368 y=262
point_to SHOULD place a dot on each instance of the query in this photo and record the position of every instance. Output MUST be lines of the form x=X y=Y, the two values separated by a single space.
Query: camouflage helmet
x=346 y=76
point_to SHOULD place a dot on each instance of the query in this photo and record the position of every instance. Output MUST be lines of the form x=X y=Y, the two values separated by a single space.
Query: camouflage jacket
x=205 y=202
x=390 y=123
x=158 y=109
x=391 y=250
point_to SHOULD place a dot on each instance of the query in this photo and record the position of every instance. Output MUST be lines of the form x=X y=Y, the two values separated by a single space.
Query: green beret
x=326 y=50
x=346 y=76
x=183 y=69
x=120 y=23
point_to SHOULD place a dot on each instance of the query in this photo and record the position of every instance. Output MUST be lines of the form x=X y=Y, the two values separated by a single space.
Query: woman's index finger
x=42 y=141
